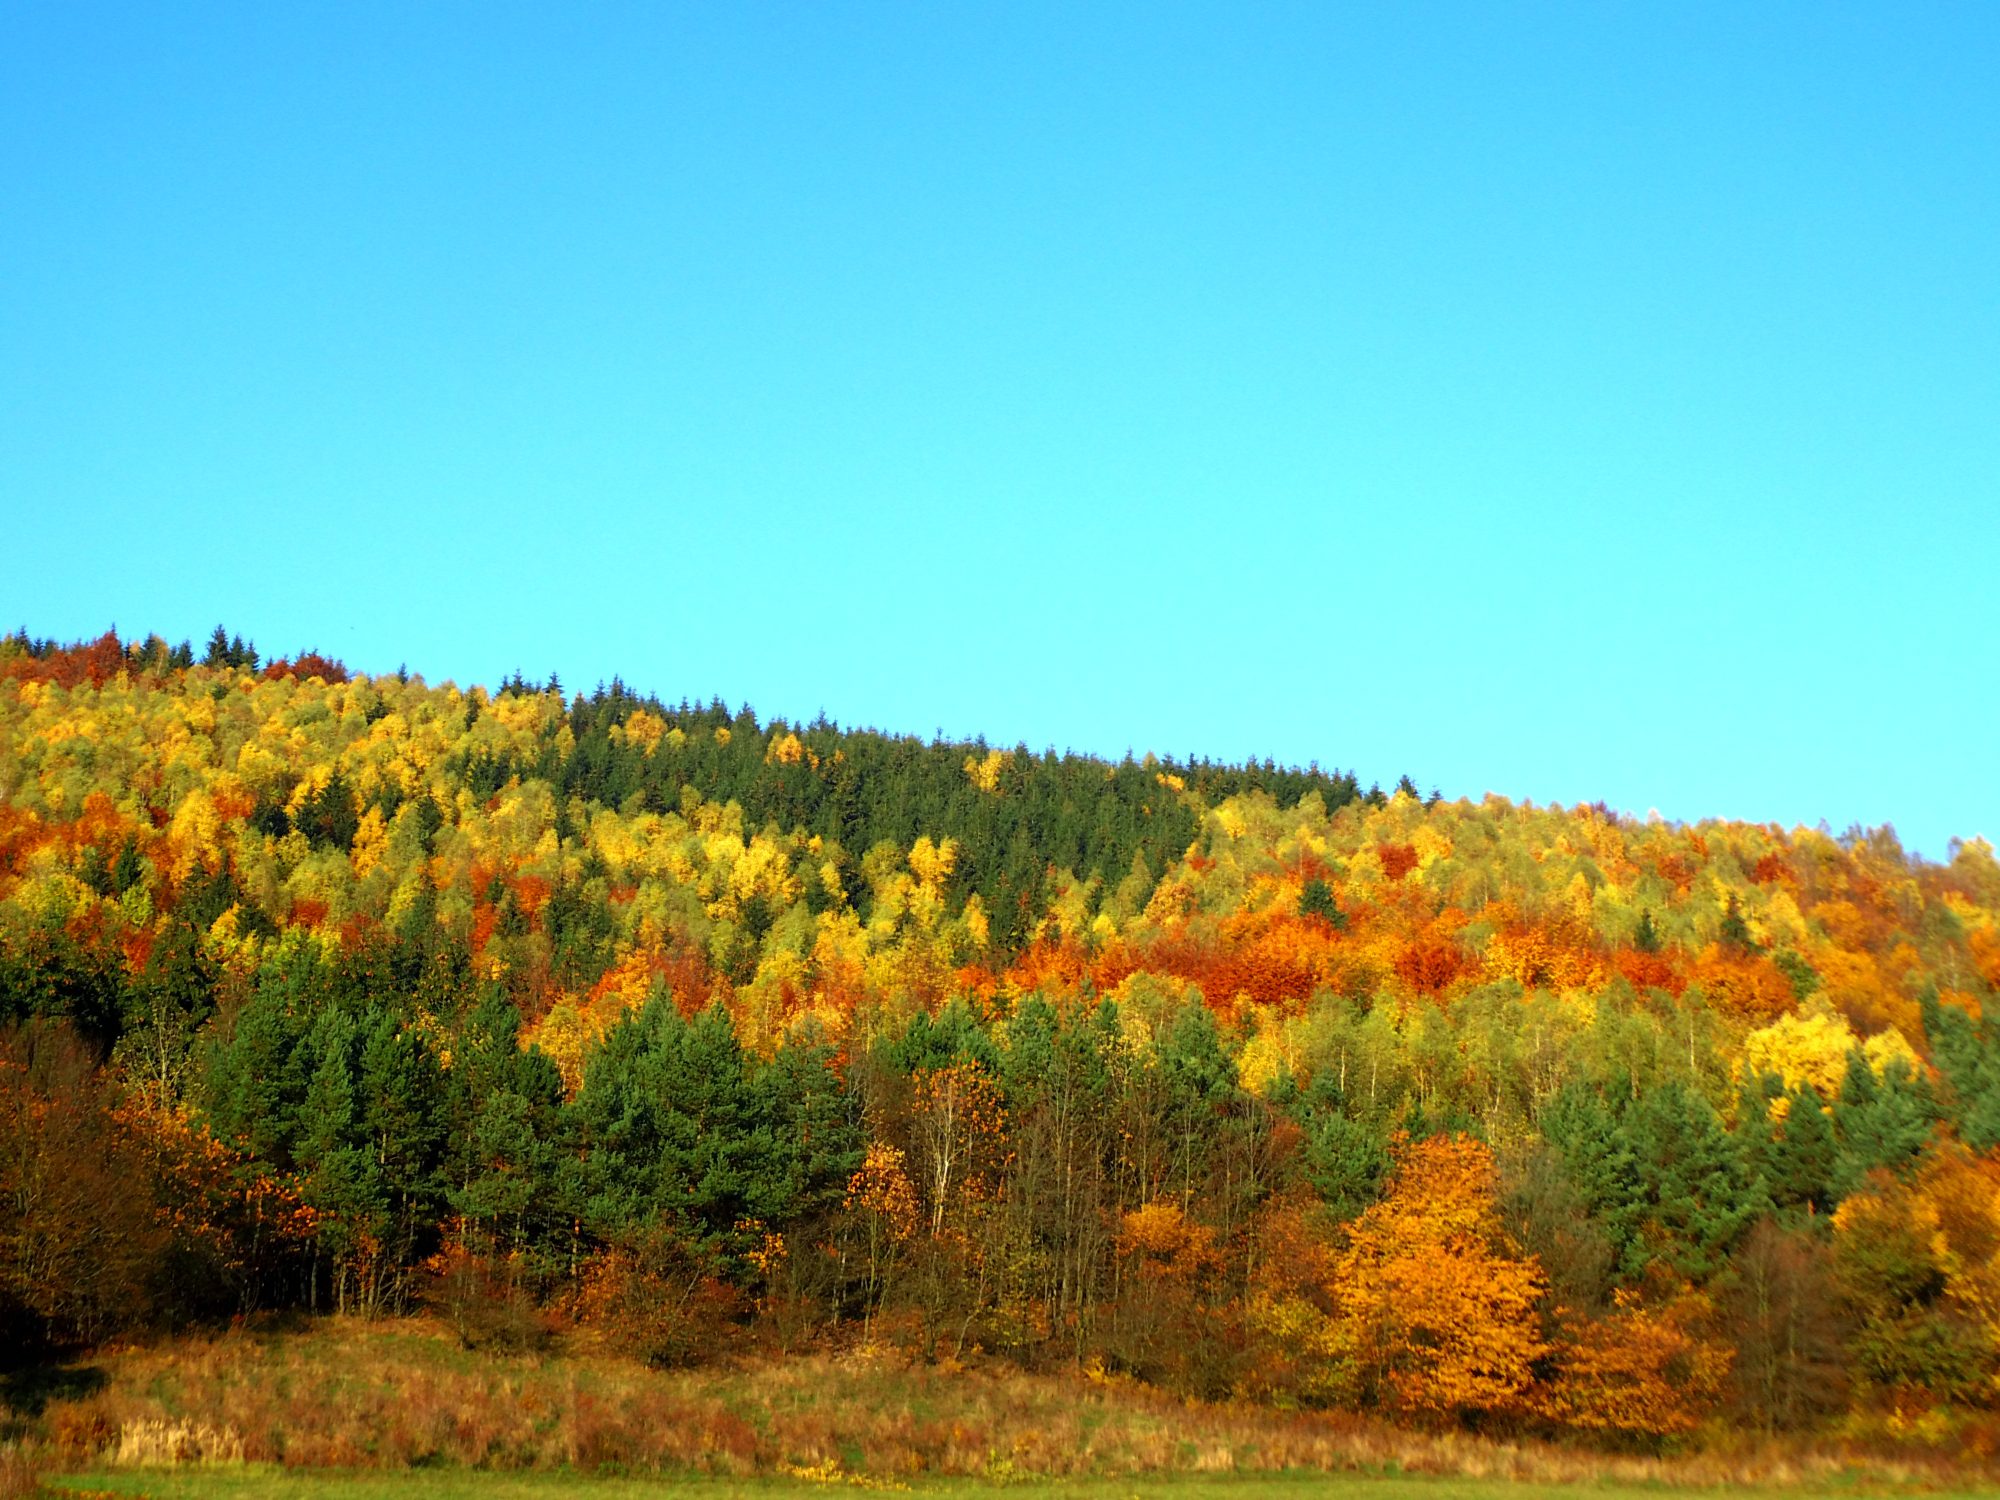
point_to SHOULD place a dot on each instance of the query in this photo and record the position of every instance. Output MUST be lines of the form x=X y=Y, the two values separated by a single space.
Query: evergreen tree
x=256 y=1079
x=1966 y=1053
x=1755 y=1132
x=1316 y=900
x=1198 y=1086
x=674 y=1132
x=1697 y=1200
x=128 y=870
x=1661 y=1174
x=341 y=1178
x=1345 y=1162
x=1804 y=1163
x=815 y=1138
x=1735 y=932
x=1881 y=1123
x=953 y=1035
x=1803 y=977
x=400 y=1096
x=509 y=1136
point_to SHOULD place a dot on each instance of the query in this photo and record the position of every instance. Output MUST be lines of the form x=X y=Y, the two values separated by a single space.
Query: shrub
x=486 y=1302
x=656 y=1298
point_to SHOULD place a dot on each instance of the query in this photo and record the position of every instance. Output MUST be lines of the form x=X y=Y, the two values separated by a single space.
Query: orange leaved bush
x=1639 y=1370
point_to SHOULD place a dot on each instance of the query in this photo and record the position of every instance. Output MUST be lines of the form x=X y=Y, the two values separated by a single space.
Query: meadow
x=260 y=1484
x=351 y=1408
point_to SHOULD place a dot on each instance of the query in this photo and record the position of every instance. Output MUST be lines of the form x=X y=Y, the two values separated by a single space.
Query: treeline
x=1014 y=815
x=1072 y=1182
x=603 y=1018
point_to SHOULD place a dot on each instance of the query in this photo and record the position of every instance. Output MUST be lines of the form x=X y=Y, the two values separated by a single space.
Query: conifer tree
x=1804 y=1163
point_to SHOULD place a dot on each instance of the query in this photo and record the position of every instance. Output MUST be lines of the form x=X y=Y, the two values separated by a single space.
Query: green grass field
x=258 y=1483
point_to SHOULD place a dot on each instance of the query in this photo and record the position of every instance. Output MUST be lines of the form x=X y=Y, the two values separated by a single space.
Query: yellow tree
x=882 y=1202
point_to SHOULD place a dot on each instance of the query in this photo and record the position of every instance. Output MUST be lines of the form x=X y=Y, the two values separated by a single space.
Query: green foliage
x=1967 y=1051
x=1345 y=1162
x=816 y=1136
x=1804 y=1163
x=510 y=1144
x=1664 y=1179
x=1735 y=931
x=1316 y=899
x=1881 y=1123
x=954 y=1035
x=860 y=788
x=972 y=1048
x=257 y=1075
x=1804 y=978
x=681 y=1131
x=1197 y=1086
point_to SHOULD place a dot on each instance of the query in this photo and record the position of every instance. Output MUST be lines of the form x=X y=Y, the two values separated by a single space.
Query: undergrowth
x=361 y=1395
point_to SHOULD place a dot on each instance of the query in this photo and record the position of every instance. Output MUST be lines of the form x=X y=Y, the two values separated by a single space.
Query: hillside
x=597 y=1017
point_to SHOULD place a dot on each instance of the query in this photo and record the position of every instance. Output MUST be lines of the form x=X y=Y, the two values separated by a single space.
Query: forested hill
x=327 y=990
x=1016 y=818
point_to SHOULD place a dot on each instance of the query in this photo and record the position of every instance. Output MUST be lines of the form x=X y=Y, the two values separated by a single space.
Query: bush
x=487 y=1302
x=656 y=1298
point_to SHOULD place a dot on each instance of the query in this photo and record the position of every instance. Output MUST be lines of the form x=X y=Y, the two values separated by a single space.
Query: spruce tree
x=1805 y=1160
x=1883 y=1122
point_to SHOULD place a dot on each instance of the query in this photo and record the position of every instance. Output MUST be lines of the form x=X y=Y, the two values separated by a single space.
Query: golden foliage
x=1440 y=1308
x=881 y=1189
x=985 y=773
x=1653 y=1371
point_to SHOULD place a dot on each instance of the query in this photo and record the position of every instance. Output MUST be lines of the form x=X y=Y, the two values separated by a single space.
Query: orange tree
x=1439 y=1304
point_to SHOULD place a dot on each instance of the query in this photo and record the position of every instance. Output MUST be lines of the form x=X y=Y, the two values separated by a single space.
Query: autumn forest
x=558 y=1015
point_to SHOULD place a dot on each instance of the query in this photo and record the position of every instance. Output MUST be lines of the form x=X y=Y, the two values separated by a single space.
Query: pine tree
x=509 y=1133
x=1345 y=1162
x=1966 y=1053
x=816 y=1139
x=1881 y=1123
x=1805 y=1160
x=340 y=1176
x=1316 y=900
x=1735 y=932
x=1664 y=1178
x=256 y=1081
x=1199 y=1082
x=1755 y=1132
x=673 y=1131
x=400 y=1098
x=1698 y=1200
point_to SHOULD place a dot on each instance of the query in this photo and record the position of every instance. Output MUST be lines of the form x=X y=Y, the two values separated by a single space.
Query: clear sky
x=1575 y=401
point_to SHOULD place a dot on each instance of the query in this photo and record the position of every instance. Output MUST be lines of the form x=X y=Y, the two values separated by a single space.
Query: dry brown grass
x=387 y=1395
x=157 y=1440
x=19 y=1473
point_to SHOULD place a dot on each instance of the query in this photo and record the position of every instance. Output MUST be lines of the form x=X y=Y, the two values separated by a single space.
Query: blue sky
x=1572 y=401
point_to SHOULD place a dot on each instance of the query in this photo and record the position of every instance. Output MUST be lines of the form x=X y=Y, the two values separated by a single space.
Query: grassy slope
x=265 y=1484
x=404 y=1410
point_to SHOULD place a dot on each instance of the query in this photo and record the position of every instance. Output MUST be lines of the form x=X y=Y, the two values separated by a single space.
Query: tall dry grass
x=20 y=1475
x=388 y=1395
